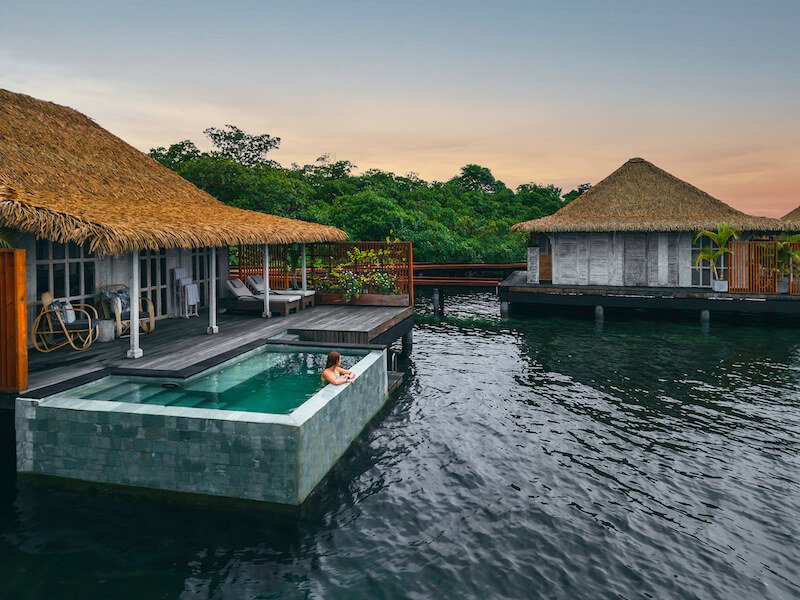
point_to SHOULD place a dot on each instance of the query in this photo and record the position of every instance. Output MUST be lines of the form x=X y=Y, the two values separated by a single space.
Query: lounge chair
x=115 y=302
x=256 y=283
x=246 y=301
x=61 y=323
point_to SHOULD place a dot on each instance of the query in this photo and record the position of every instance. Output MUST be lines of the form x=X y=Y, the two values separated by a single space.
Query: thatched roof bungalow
x=91 y=210
x=66 y=179
x=635 y=228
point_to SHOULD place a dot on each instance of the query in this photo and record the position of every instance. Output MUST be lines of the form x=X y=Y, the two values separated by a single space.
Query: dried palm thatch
x=641 y=197
x=793 y=217
x=66 y=179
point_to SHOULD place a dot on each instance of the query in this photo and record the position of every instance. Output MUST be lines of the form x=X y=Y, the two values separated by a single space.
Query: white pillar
x=266 y=314
x=135 y=351
x=303 y=263
x=212 y=294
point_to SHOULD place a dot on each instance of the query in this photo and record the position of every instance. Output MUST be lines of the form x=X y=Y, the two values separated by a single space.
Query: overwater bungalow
x=97 y=224
x=631 y=240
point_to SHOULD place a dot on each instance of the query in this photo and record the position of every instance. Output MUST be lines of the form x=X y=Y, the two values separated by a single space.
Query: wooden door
x=635 y=257
x=599 y=259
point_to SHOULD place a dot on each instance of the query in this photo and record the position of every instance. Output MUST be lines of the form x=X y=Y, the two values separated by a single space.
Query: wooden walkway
x=180 y=343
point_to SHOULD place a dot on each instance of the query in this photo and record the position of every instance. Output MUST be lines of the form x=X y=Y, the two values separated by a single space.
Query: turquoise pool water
x=273 y=381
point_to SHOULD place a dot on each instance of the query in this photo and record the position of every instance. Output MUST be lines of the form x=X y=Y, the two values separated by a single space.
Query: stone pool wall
x=255 y=456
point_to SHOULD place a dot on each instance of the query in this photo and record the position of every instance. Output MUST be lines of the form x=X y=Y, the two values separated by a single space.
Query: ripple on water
x=538 y=457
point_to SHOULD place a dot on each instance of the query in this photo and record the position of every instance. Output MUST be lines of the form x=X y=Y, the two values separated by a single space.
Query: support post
x=504 y=309
x=266 y=314
x=135 y=351
x=438 y=302
x=407 y=342
x=303 y=264
x=212 y=294
x=599 y=313
x=705 y=316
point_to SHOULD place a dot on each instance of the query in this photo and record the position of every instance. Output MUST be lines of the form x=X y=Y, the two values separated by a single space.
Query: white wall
x=659 y=259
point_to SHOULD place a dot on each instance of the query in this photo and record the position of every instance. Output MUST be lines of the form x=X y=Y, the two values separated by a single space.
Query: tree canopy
x=465 y=219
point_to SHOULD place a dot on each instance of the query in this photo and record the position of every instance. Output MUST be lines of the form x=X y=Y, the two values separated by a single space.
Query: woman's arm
x=331 y=377
x=342 y=371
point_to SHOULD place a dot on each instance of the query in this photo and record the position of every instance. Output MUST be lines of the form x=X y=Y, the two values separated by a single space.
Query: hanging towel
x=192 y=294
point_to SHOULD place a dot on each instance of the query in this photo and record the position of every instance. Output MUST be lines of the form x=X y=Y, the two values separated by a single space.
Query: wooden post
x=303 y=263
x=135 y=351
x=266 y=314
x=13 y=321
x=212 y=294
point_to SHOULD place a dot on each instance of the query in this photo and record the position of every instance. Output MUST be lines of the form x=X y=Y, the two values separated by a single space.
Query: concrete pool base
x=248 y=455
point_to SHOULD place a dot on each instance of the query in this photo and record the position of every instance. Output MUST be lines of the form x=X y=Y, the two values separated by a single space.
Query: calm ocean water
x=537 y=457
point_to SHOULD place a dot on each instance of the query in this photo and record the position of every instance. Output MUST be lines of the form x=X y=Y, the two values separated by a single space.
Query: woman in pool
x=334 y=373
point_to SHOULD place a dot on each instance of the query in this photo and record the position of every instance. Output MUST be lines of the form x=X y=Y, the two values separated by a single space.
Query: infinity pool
x=275 y=380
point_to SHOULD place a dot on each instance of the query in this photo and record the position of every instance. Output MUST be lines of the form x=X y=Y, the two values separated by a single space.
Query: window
x=153 y=279
x=199 y=271
x=66 y=270
x=701 y=275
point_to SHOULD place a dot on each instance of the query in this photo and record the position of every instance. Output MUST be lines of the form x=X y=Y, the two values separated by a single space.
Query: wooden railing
x=13 y=322
x=756 y=267
x=396 y=259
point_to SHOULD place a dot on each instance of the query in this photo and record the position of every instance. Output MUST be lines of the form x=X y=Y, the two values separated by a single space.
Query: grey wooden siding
x=622 y=258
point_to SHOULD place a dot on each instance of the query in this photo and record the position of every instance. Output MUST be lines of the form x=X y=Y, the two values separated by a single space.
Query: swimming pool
x=260 y=426
x=273 y=380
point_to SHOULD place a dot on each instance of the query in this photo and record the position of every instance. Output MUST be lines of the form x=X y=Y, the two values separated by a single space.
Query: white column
x=212 y=294
x=135 y=351
x=266 y=314
x=303 y=263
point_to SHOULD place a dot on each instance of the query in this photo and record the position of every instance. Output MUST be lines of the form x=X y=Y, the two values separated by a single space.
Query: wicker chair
x=60 y=324
x=115 y=303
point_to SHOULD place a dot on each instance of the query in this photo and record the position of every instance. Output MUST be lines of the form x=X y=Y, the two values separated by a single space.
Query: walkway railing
x=758 y=267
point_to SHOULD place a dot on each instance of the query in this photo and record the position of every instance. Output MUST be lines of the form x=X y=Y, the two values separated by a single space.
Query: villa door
x=635 y=255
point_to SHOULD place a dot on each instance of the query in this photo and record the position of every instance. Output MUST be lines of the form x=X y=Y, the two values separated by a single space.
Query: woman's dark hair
x=333 y=359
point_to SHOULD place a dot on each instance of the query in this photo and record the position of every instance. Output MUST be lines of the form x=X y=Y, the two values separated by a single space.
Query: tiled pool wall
x=249 y=455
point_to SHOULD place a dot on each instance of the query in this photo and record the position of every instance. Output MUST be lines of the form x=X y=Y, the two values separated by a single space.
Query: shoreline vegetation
x=464 y=219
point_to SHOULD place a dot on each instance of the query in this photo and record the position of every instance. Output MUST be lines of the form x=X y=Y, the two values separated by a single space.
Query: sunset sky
x=552 y=92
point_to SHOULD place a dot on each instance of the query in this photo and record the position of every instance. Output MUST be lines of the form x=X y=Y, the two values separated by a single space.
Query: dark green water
x=531 y=458
x=273 y=381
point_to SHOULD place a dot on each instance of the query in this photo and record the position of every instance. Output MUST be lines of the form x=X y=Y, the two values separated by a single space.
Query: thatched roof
x=794 y=217
x=65 y=178
x=641 y=197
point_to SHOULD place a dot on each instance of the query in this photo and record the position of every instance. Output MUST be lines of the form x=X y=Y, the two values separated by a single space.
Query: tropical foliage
x=464 y=219
x=719 y=246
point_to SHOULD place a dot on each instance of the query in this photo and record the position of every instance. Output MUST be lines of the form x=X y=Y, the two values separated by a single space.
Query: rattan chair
x=61 y=324
x=114 y=303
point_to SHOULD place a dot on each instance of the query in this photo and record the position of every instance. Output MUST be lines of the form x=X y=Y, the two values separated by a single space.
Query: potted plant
x=713 y=253
x=787 y=255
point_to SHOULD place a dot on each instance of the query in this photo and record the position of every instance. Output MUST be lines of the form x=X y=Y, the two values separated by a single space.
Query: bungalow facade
x=634 y=228
x=91 y=211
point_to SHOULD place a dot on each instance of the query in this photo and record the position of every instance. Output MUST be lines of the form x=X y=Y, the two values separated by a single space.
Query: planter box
x=365 y=299
x=719 y=286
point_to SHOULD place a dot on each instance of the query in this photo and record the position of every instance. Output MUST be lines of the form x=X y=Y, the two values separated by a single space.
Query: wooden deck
x=515 y=290
x=180 y=343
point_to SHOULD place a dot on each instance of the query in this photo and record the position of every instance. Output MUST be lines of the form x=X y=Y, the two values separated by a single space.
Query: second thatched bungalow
x=631 y=240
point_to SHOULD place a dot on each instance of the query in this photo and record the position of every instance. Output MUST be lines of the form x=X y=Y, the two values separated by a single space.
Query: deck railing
x=757 y=267
x=383 y=268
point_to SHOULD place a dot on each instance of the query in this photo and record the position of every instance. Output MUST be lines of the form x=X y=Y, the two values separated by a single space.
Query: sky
x=557 y=92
